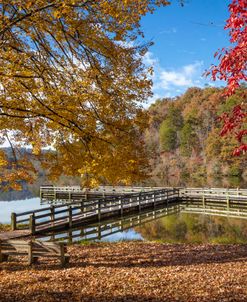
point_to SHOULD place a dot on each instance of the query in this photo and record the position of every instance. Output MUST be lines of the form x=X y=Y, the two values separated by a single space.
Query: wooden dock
x=70 y=207
x=84 y=212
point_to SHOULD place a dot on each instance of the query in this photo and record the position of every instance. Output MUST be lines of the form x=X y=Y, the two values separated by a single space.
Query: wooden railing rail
x=213 y=191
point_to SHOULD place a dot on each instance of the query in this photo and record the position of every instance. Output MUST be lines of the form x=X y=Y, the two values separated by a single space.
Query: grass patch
x=5 y=227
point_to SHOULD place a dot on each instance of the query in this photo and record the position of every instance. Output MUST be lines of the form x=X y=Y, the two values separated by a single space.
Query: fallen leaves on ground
x=131 y=271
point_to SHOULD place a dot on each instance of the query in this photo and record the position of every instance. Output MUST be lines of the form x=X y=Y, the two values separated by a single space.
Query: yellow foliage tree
x=71 y=78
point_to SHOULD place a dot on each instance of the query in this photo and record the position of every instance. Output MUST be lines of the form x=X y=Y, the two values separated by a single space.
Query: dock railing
x=54 y=195
x=218 y=201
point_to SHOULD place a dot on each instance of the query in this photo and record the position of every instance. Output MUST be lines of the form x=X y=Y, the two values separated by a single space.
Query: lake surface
x=171 y=227
x=17 y=206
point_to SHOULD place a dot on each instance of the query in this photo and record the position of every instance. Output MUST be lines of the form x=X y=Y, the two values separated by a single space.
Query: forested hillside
x=184 y=141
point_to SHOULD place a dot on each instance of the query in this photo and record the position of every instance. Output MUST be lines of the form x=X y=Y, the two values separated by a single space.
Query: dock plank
x=14 y=234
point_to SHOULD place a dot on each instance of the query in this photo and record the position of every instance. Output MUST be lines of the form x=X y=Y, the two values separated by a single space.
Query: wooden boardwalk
x=91 y=210
x=71 y=207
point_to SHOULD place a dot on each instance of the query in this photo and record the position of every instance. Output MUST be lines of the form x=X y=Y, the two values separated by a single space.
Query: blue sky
x=185 y=40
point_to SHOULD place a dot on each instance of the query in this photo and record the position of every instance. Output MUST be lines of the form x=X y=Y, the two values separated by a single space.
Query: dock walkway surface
x=14 y=234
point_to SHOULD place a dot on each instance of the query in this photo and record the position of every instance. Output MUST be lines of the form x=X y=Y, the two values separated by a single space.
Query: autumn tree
x=169 y=127
x=233 y=69
x=70 y=78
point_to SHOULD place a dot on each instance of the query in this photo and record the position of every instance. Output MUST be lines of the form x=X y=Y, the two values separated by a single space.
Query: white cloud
x=149 y=59
x=182 y=77
x=174 y=78
x=169 y=82
x=172 y=30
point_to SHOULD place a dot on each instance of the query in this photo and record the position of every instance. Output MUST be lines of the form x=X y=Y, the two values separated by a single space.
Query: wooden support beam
x=13 y=221
x=32 y=224
x=62 y=254
x=30 y=252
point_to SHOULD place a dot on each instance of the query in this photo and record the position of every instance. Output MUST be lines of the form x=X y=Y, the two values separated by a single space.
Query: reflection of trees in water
x=191 y=228
x=16 y=195
x=200 y=181
x=32 y=190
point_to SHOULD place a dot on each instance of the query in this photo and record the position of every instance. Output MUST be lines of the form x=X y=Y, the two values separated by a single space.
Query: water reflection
x=170 y=226
x=16 y=195
x=192 y=228
x=202 y=181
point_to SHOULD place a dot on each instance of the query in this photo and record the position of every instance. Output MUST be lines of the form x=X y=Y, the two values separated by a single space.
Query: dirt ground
x=131 y=271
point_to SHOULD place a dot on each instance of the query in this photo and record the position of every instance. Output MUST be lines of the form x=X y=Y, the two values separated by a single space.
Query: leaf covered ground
x=131 y=271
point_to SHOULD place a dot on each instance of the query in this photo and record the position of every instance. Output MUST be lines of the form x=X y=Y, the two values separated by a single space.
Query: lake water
x=17 y=206
x=173 y=227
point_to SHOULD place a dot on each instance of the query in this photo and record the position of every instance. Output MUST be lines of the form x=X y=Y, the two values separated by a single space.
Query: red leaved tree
x=233 y=69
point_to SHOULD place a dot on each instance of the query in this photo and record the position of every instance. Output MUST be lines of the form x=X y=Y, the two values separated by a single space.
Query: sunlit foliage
x=71 y=78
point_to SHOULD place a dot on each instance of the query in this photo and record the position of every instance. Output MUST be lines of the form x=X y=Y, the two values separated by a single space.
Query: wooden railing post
x=52 y=214
x=154 y=201
x=32 y=224
x=13 y=221
x=70 y=236
x=30 y=252
x=40 y=194
x=99 y=231
x=203 y=200
x=121 y=205
x=82 y=207
x=167 y=201
x=139 y=202
x=70 y=216
x=99 y=210
x=62 y=253
x=227 y=201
